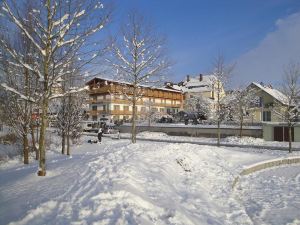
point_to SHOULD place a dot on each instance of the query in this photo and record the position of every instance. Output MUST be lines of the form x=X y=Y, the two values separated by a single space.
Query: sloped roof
x=195 y=84
x=279 y=96
x=127 y=83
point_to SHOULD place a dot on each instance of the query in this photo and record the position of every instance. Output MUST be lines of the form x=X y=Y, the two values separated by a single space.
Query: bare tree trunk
x=219 y=111
x=68 y=142
x=290 y=138
x=63 y=142
x=45 y=103
x=42 y=141
x=25 y=147
x=149 y=115
x=33 y=142
x=219 y=134
x=133 y=125
x=241 y=127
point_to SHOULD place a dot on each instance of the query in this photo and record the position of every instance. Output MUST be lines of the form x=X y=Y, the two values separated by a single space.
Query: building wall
x=267 y=105
x=115 y=106
x=255 y=115
x=268 y=132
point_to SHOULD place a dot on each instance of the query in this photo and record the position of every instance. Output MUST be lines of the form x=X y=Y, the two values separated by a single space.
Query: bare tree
x=61 y=32
x=151 y=113
x=22 y=83
x=240 y=101
x=200 y=105
x=222 y=72
x=288 y=109
x=68 y=112
x=139 y=59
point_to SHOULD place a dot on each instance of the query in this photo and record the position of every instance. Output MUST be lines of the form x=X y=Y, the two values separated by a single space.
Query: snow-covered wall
x=195 y=131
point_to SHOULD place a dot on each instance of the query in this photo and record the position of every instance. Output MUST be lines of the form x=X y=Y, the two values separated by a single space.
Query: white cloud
x=266 y=62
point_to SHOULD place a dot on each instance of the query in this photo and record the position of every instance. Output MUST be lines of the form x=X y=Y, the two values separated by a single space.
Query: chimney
x=201 y=77
x=187 y=78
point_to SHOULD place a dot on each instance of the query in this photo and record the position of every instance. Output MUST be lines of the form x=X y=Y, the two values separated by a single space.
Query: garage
x=279 y=131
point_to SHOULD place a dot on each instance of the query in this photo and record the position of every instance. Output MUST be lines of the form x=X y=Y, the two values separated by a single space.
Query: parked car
x=90 y=126
x=166 y=119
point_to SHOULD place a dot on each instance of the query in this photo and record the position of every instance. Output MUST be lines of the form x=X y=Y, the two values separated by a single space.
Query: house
x=109 y=98
x=205 y=86
x=270 y=100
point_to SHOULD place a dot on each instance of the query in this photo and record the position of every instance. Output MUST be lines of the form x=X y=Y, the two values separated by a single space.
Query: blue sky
x=241 y=29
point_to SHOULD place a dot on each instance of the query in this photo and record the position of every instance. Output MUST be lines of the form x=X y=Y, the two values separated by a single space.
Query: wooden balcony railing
x=112 y=112
x=147 y=92
x=126 y=102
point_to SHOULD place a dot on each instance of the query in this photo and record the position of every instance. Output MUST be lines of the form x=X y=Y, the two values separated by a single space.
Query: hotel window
x=143 y=109
x=126 y=108
x=116 y=107
x=94 y=108
x=162 y=110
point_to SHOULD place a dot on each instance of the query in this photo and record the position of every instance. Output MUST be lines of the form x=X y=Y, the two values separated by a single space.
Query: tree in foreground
x=222 y=72
x=60 y=32
x=290 y=87
x=139 y=58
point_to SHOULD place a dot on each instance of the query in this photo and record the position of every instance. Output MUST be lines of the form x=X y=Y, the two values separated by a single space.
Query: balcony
x=112 y=112
x=98 y=101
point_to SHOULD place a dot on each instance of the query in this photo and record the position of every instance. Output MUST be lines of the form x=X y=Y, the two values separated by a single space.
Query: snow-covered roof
x=127 y=83
x=199 y=83
x=279 y=96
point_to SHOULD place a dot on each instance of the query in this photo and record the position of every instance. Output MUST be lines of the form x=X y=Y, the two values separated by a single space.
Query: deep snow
x=122 y=183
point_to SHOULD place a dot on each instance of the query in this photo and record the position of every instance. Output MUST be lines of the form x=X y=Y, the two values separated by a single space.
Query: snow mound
x=244 y=140
x=148 y=134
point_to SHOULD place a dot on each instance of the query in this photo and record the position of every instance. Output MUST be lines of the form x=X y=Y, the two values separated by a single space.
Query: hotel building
x=109 y=99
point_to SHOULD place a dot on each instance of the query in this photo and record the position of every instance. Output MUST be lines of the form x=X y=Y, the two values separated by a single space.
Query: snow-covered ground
x=272 y=196
x=122 y=183
x=228 y=140
x=191 y=125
